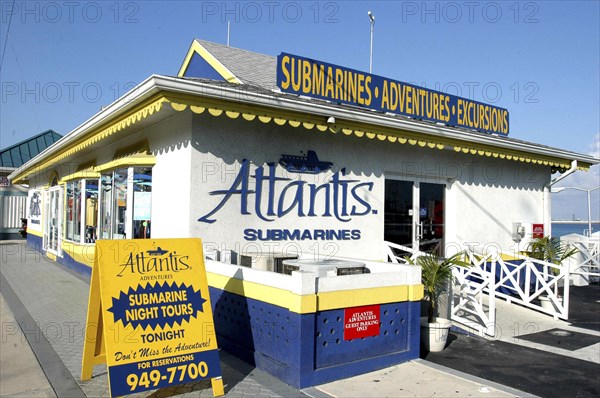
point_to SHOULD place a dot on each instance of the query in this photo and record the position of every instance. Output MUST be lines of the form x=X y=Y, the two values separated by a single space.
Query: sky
x=61 y=61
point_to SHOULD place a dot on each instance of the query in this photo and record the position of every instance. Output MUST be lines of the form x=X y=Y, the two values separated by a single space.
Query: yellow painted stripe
x=283 y=298
x=154 y=105
x=147 y=108
x=33 y=232
x=416 y=292
x=83 y=254
x=197 y=48
x=51 y=256
x=305 y=304
x=359 y=297
x=79 y=175
x=128 y=161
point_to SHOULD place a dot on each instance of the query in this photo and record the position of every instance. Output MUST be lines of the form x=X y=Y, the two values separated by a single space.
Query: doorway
x=414 y=215
x=53 y=220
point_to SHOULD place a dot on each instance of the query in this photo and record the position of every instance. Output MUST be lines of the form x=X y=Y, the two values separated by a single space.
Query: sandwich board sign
x=149 y=316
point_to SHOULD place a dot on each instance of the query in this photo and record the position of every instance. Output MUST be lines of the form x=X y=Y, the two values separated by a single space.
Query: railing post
x=566 y=289
x=528 y=272
x=492 y=299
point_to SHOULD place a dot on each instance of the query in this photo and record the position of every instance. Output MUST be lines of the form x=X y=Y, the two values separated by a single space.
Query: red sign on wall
x=538 y=231
x=361 y=322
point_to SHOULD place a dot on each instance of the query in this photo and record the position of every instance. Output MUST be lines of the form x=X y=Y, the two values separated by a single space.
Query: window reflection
x=106 y=190
x=142 y=202
x=120 y=204
x=91 y=210
x=73 y=211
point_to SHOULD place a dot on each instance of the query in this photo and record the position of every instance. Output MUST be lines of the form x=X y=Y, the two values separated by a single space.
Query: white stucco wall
x=170 y=143
x=483 y=198
x=200 y=154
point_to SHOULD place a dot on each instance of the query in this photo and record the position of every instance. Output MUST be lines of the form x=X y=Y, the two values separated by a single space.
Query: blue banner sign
x=303 y=76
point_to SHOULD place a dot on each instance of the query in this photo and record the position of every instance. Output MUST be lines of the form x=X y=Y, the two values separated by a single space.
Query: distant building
x=13 y=197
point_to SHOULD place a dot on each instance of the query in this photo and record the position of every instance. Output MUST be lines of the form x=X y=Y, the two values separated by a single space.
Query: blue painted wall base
x=309 y=349
x=301 y=349
x=35 y=242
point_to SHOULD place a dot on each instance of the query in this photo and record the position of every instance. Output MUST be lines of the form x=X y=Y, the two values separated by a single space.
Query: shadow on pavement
x=537 y=372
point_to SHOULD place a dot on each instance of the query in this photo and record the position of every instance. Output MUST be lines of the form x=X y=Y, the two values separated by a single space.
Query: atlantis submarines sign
x=275 y=197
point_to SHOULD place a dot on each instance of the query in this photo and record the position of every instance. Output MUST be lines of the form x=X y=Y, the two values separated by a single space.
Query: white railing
x=535 y=284
x=473 y=301
x=398 y=253
x=587 y=262
x=532 y=283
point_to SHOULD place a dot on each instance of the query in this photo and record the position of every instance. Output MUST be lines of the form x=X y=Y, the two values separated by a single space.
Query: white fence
x=535 y=284
x=473 y=301
x=585 y=265
x=12 y=209
x=532 y=283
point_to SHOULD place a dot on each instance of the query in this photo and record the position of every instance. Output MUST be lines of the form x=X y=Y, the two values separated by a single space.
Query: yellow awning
x=137 y=154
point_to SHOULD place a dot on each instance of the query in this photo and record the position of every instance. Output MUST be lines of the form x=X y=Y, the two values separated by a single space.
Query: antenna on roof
x=228 y=25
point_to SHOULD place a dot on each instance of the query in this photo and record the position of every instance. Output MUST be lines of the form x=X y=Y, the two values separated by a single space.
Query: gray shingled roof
x=251 y=68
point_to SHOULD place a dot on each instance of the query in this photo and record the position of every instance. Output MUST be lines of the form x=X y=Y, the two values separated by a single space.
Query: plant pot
x=547 y=304
x=434 y=335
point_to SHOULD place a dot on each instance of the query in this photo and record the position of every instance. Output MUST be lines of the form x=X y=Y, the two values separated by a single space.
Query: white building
x=221 y=153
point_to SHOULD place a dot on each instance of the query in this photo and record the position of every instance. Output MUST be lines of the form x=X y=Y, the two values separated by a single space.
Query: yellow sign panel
x=151 y=298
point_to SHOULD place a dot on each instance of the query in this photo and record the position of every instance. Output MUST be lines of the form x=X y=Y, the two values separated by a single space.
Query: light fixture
x=330 y=120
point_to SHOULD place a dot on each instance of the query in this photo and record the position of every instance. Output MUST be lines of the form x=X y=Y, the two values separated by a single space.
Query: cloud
x=595 y=146
x=573 y=203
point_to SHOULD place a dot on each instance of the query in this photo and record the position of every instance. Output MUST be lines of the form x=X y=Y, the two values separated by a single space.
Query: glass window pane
x=106 y=190
x=142 y=202
x=77 y=211
x=69 y=211
x=120 y=204
x=398 y=226
x=91 y=210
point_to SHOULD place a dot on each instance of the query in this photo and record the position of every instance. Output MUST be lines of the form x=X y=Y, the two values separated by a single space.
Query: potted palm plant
x=436 y=275
x=551 y=250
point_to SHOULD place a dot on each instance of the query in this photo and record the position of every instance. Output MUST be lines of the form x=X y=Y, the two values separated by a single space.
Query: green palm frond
x=550 y=249
x=435 y=275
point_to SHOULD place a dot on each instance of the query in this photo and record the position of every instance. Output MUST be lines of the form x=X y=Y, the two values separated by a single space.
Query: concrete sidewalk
x=51 y=303
x=20 y=373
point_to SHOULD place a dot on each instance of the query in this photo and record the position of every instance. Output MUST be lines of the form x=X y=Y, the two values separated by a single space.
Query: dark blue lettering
x=306 y=235
x=360 y=200
x=296 y=202
x=313 y=196
x=242 y=178
x=295 y=235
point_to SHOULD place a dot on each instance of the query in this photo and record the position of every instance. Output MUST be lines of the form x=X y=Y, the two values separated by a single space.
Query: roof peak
x=219 y=62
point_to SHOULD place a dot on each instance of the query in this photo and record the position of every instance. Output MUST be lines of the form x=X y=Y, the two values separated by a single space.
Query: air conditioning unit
x=272 y=262
x=325 y=268
x=287 y=269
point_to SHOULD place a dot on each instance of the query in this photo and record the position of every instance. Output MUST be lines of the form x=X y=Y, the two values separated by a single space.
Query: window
x=142 y=202
x=73 y=218
x=120 y=204
x=126 y=203
x=106 y=190
x=91 y=210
